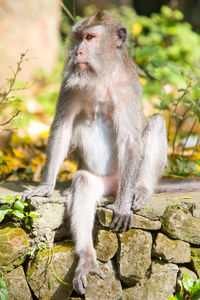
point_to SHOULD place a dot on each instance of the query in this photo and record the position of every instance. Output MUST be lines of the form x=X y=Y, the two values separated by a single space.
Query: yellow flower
x=143 y=80
x=137 y=28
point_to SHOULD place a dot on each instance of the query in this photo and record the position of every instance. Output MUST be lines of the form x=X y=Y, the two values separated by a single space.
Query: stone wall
x=145 y=263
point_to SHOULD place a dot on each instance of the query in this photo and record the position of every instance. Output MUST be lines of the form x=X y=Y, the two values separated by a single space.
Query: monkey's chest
x=95 y=142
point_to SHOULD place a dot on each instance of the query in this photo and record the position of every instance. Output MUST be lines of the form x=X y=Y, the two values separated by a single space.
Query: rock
x=108 y=288
x=158 y=203
x=134 y=255
x=14 y=247
x=46 y=270
x=196 y=210
x=195 y=258
x=180 y=224
x=162 y=282
x=183 y=270
x=52 y=215
x=144 y=223
x=106 y=244
x=160 y=286
x=135 y=293
x=105 y=216
x=174 y=251
x=17 y=286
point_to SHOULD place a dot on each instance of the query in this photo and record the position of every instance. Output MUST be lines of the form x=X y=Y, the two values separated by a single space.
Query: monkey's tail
x=180 y=185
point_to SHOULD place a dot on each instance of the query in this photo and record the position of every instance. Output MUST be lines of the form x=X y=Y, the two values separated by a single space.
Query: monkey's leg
x=85 y=192
x=153 y=162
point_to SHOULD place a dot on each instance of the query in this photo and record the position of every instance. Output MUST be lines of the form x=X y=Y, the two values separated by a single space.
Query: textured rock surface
x=141 y=276
x=134 y=256
x=195 y=258
x=174 y=251
x=108 y=289
x=14 y=247
x=180 y=224
x=144 y=223
x=162 y=282
x=160 y=286
x=48 y=266
x=106 y=244
x=17 y=286
x=105 y=216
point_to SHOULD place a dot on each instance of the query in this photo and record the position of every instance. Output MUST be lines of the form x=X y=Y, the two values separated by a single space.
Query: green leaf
x=196 y=296
x=18 y=214
x=177 y=296
x=3 y=290
x=9 y=199
x=28 y=226
x=28 y=171
x=197 y=161
x=158 y=62
x=33 y=215
x=196 y=286
x=60 y=281
x=2 y=283
x=187 y=282
x=3 y=294
x=19 y=205
x=174 y=69
x=3 y=211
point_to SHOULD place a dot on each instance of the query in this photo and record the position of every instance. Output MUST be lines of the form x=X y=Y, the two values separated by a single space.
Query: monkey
x=99 y=115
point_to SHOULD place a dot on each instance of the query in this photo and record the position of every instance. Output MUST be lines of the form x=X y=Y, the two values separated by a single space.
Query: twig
x=67 y=11
x=16 y=114
x=74 y=8
x=5 y=95
x=175 y=109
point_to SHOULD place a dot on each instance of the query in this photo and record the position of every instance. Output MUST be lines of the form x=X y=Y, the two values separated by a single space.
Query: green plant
x=182 y=166
x=14 y=207
x=190 y=290
x=3 y=290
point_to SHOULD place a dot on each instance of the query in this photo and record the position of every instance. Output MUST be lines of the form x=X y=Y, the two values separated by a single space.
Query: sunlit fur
x=99 y=115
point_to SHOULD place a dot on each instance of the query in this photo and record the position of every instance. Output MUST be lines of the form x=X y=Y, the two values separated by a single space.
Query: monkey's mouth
x=83 y=65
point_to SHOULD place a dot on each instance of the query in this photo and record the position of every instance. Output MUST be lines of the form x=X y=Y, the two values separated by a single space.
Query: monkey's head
x=96 y=43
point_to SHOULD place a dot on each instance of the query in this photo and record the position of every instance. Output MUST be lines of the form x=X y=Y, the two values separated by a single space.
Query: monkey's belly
x=96 y=146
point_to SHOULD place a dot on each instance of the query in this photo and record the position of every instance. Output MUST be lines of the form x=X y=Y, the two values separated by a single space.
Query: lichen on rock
x=14 y=247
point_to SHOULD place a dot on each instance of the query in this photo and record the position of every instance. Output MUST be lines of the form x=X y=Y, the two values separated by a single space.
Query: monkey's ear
x=122 y=36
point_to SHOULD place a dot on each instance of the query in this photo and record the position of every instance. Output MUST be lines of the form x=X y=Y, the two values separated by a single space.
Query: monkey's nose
x=79 y=52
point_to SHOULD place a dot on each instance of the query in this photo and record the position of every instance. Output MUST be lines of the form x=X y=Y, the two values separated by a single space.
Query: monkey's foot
x=85 y=266
x=140 y=198
x=122 y=220
x=43 y=190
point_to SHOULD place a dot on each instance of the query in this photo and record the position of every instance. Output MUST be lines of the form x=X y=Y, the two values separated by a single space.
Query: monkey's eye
x=89 y=37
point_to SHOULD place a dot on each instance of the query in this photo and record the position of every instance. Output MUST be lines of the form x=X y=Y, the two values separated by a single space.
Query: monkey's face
x=89 y=48
x=95 y=49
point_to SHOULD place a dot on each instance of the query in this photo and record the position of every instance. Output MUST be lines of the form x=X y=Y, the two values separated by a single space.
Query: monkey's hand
x=122 y=220
x=85 y=266
x=43 y=190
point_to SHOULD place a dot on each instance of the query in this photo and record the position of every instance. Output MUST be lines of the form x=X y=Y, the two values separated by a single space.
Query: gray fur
x=99 y=115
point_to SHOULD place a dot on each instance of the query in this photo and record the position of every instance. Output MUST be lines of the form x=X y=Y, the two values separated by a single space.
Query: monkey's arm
x=57 y=149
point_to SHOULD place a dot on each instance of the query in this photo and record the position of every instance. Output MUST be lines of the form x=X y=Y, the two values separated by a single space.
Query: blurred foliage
x=166 y=52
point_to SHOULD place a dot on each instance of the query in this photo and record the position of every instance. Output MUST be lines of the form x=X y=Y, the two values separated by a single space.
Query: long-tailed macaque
x=99 y=115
